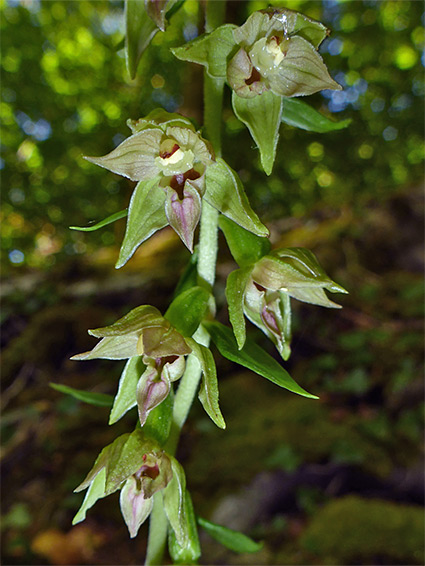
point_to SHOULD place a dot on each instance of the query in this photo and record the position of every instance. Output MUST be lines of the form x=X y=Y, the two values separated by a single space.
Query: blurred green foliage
x=66 y=93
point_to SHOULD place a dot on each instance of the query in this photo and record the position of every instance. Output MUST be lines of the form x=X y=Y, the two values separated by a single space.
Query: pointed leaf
x=98 y=399
x=211 y=50
x=102 y=223
x=146 y=215
x=96 y=491
x=234 y=540
x=262 y=115
x=189 y=553
x=224 y=191
x=135 y=509
x=252 y=357
x=208 y=393
x=140 y=30
x=174 y=496
x=300 y=115
x=235 y=293
x=125 y=399
x=188 y=309
x=245 y=247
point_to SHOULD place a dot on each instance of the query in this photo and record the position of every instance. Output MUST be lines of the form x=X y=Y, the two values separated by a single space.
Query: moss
x=264 y=422
x=353 y=530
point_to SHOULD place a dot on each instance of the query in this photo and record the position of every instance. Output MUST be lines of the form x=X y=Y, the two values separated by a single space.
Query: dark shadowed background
x=334 y=481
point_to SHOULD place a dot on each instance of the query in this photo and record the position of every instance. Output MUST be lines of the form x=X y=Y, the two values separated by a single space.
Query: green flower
x=145 y=332
x=135 y=465
x=278 y=52
x=165 y=149
x=262 y=293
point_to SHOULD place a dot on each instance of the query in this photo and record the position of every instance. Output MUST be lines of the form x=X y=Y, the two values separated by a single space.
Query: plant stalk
x=206 y=267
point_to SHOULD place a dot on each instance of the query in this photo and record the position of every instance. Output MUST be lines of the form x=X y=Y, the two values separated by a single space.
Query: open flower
x=262 y=292
x=145 y=332
x=138 y=467
x=278 y=52
x=165 y=149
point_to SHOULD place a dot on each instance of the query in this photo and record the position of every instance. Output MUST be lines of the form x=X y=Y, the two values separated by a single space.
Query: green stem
x=157 y=532
x=207 y=254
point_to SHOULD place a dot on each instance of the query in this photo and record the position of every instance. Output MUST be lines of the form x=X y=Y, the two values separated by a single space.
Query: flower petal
x=134 y=157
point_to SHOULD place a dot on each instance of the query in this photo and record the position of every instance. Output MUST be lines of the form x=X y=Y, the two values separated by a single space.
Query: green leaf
x=234 y=540
x=235 y=289
x=125 y=399
x=211 y=50
x=174 y=496
x=262 y=115
x=102 y=223
x=252 y=357
x=300 y=115
x=98 y=399
x=158 y=423
x=245 y=247
x=189 y=553
x=208 y=393
x=96 y=491
x=140 y=30
x=224 y=191
x=188 y=309
x=146 y=215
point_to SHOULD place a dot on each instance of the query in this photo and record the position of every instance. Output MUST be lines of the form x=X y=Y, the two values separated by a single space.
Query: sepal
x=211 y=50
x=224 y=191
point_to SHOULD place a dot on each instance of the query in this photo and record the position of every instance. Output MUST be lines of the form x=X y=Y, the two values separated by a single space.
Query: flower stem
x=207 y=258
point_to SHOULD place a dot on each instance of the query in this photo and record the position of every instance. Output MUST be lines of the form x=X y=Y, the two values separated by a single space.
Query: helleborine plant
x=183 y=181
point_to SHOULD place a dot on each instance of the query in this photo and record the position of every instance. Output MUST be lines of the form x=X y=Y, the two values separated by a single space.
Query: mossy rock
x=353 y=530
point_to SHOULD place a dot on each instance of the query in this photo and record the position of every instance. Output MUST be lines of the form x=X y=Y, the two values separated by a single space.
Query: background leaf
x=140 y=30
x=98 y=399
x=301 y=115
x=234 y=540
x=102 y=223
x=252 y=357
x=245 y=247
